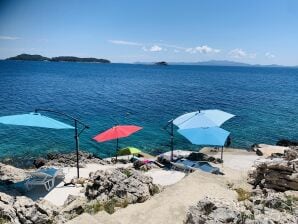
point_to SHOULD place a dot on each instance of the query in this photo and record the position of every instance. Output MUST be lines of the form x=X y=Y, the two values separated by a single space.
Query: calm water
x=264 y=99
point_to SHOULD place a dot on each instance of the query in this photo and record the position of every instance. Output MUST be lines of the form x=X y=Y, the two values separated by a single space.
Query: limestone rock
x=262 y=207
x=125 y=184
x=10 y=174
x=69 y=159
x=23 y=210
x=276 y=173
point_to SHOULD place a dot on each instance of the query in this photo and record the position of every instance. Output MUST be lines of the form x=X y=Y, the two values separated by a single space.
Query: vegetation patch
x=242 y=194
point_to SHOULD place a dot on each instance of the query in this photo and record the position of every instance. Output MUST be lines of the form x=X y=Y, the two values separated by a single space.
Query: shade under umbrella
x=34 y=120
x=129 y=151
x=202 y=119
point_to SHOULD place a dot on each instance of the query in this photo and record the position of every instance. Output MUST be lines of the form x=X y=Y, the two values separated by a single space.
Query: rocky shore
x=278 y=172
x=270 y=193
x=273 y=200
x=68 y=159
x=104 y=191
x=259 y=207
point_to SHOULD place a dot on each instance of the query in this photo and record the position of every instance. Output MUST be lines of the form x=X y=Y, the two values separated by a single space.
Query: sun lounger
x=181 y=167
x=202 y=165
x=45 y=177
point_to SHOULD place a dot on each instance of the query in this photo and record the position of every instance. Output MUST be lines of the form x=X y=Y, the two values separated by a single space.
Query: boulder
x=262 y=207
x=120 y=184
x=280 y=173
x=268 y=150
x=23 y=210
x=286 y=142
x=39 y=162
x=197 y=156
x=10 y=174
x=68 y=159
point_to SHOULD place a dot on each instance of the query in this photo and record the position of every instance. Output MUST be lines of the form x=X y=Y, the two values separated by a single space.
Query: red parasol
x=116 y=132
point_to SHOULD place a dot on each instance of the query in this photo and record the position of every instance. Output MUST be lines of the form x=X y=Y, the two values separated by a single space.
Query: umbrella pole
x=117 y=148
x=172 y=141
x=77 y=146
x=221 y=156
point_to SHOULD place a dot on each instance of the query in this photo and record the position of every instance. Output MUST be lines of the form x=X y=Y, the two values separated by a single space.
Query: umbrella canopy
x=202 y=119
x=34 y=120
x=129 y=151
x=206 y=136
x=116 y=132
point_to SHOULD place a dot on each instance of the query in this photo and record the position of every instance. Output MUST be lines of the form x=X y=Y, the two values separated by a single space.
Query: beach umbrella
x=116 y=132
x=214 y=136
x=198 y=119
x=202 y=119
x=129 y=151
x=35 y=119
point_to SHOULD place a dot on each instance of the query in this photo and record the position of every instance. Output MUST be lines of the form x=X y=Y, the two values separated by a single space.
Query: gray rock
x=278 y=173
x=124 y=184
x=10 y=174
x=265 y=206
x=68 y=159
x=23 y=210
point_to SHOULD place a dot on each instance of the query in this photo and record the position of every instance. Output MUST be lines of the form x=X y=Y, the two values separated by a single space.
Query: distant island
x=215 y=63
x=36 y=57
x=161 y=63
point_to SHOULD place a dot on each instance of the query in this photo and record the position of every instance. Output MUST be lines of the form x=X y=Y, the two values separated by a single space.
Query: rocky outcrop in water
x=120 y=184
x=286 y=142
x=261 y=207
x=278 y=172
x=69 y=159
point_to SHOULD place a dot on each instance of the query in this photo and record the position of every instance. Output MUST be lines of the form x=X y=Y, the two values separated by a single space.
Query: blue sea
x=264 y=100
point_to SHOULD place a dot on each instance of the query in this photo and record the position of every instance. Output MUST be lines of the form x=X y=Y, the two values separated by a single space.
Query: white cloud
x=8 y=38
x=237 y=53
x=269 y=55
x=155 y=48
x=123 y=42
x=204 y=49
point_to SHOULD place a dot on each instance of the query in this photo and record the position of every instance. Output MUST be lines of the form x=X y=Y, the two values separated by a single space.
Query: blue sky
x=252 y=31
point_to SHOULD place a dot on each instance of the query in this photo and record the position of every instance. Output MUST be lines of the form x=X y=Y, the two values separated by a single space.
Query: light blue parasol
x=34 y=120
x=214 y=136
x=202 y=119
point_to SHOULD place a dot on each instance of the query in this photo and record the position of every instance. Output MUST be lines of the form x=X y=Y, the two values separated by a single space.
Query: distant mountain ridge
x=37 y=57
x=218 y=63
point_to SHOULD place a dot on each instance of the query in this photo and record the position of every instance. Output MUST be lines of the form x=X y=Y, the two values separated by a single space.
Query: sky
x=250 y=31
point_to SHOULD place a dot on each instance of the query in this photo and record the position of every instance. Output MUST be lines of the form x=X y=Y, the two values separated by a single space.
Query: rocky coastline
x=273 y=197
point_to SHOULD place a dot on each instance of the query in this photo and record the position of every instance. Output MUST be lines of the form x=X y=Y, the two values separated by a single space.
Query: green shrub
x=122 y=203
x=4 y=220
x=154 y=190
x=242 y=194
x=109 y=206
x=94 y=207
x=127 y=172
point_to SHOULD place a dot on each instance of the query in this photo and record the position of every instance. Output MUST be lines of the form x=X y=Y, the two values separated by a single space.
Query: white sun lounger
x=45 y=177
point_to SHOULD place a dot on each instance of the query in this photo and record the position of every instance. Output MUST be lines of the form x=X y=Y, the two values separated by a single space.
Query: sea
x=264 y=100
